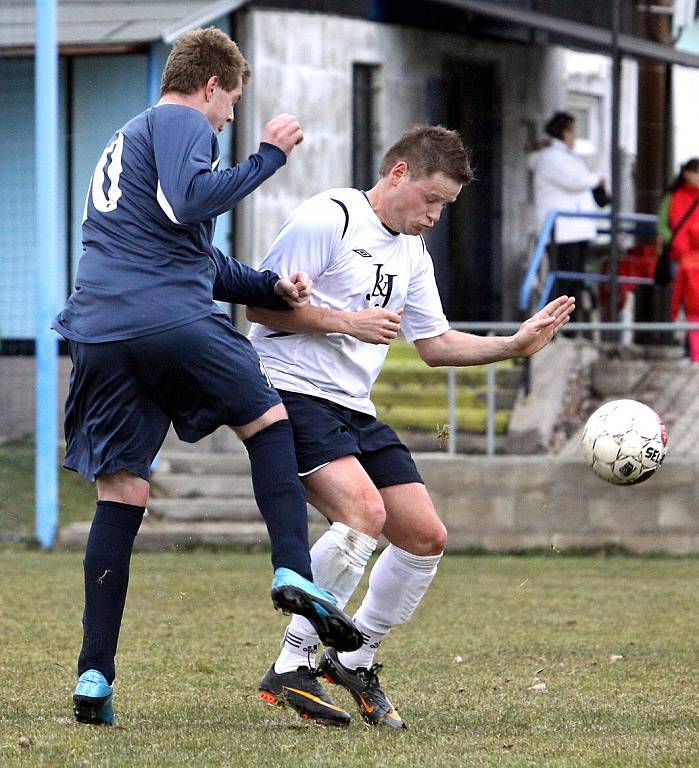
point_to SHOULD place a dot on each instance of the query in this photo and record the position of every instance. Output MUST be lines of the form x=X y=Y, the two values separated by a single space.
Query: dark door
x=467 y=250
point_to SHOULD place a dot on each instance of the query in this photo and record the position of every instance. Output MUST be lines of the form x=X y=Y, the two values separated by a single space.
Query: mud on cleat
x=374 y=707
x=301 y=690
x=92 y=699
x=291 y=593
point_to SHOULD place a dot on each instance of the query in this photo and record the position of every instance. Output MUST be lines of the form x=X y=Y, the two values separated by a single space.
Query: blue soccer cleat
x=291 y=593
x=92 y=699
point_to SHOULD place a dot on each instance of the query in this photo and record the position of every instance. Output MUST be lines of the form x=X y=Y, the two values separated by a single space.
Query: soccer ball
x=624 y=442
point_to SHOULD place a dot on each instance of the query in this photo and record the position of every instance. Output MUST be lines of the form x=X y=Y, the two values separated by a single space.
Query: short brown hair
x=200 y=54
x=429 y=149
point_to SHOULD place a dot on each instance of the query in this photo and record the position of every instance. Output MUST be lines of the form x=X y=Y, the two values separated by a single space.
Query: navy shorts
x=325 y=431
x=125 y=394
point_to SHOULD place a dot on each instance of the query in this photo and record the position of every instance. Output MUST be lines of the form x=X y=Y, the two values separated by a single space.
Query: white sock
x=338 y=561
x=297 y=651
x=397 y=583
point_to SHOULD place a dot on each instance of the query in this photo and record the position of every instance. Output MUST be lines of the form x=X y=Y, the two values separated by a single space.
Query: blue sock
x=106 y=567
x=280 y=496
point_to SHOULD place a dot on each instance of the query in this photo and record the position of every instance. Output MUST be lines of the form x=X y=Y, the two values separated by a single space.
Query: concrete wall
x=302 y=64
x=17 y=395
x=516 y=503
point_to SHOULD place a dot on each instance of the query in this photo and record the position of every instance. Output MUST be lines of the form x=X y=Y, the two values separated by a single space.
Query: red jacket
x=680 y=203
x=685 y=291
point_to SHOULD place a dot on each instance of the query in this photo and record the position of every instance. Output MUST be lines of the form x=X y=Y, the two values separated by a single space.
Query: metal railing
x=502 y=328
x=545 y=237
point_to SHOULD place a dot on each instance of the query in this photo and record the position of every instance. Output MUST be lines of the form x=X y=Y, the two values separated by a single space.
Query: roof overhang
x=102 y=25
x=584 y=35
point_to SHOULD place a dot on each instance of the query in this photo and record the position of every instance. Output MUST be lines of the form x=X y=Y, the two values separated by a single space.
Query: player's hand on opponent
x=284 y=132
x=538 y=330
x=295 y=289
x=375 y=325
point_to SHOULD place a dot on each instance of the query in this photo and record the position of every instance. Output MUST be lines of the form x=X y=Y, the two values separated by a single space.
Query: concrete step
x=206 y=509
x=211 y=509
x=223 y=440
x=160 y=536
x=203 y=463
x=194 y=486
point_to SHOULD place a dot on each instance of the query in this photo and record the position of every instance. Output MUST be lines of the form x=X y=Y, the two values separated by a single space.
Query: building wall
x=302 y=64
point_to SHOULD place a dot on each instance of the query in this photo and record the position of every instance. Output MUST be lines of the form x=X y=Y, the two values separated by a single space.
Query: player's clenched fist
x=375 y=325
x=284 y=132
x=295 y=289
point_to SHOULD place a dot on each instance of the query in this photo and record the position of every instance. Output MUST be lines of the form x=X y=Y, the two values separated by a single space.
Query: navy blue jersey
x=148 y=260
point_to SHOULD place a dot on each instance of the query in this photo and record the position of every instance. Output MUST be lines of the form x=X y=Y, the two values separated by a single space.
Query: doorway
x=470 y=266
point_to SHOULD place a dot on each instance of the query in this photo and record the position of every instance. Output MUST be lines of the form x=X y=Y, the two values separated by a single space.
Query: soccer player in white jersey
x=372 y=275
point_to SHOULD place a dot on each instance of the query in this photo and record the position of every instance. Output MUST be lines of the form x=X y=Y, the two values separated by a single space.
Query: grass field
x=613 y=639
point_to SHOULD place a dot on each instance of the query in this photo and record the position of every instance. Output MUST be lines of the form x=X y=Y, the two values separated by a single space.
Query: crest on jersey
x=383 y=287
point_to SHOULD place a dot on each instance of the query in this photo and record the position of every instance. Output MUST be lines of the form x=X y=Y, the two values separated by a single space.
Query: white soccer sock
x=297 y=651
x=397 y=583
x=338 y=560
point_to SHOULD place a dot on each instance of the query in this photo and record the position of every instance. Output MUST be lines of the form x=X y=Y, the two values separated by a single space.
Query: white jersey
x=355 y=263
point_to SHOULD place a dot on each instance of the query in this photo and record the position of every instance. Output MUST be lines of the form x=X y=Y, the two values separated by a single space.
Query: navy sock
x=280 y=495
x=106 y=567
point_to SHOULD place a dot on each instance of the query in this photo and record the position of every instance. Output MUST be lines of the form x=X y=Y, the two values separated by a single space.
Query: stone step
x=203 y=463
x=223 y=440
x=160 y=536
x=211 y=509
x=195 y=486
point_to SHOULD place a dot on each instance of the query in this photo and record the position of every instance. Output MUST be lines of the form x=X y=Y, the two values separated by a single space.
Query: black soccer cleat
x=374 y=707
x=302 y=691
x=291 y=593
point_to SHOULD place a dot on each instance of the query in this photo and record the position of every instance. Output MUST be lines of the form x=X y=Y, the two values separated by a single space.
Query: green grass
x=199 y=632
x=76 y=499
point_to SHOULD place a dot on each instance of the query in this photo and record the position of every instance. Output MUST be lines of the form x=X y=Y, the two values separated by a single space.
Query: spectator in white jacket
x=563 y=182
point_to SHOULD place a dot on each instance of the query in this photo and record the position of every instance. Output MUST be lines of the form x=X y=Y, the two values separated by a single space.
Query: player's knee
x=123 y=487
x=367 y=514
x=431 y=540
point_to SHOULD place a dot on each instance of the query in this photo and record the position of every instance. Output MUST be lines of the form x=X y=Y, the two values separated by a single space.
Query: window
x=365 y=128
x=586 y=108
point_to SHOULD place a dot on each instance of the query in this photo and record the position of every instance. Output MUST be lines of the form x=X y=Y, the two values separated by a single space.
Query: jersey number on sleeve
x=110 y=162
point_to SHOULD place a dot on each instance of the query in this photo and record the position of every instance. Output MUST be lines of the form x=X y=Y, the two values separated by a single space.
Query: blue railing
x=530 y=279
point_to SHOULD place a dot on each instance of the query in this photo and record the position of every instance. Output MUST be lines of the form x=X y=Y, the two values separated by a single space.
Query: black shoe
x=363 y=684
x=302 y=691
x=291 y=593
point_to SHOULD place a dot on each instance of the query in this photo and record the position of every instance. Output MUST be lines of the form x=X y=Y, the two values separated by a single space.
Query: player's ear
x=211 y=84
x=398 y=172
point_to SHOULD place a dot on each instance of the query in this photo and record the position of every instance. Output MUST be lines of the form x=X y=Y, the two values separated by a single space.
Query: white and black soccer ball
x=624 y=442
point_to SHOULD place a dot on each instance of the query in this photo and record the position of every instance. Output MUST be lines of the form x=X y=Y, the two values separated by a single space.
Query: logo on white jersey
x=383 y=287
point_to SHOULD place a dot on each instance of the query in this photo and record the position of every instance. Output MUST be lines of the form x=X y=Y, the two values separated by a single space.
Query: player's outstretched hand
x=284 y=131
x=538 y=330
x=295 y=289
x=375 y=325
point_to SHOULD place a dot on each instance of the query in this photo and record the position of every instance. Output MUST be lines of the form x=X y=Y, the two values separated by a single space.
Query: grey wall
x=17 y=395
x=302 y=64
x=516 y=503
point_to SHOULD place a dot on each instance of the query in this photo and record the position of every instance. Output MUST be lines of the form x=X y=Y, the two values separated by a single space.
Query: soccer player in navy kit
x=150 y=346
x=372 y=275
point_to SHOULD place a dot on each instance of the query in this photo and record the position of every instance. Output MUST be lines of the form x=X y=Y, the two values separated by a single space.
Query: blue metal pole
x=153 y=75
x=47 y=270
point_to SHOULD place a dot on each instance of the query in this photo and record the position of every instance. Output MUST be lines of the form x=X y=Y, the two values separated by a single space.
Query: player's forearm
x=462 y=349
x=210 y=194
x=307 y=319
